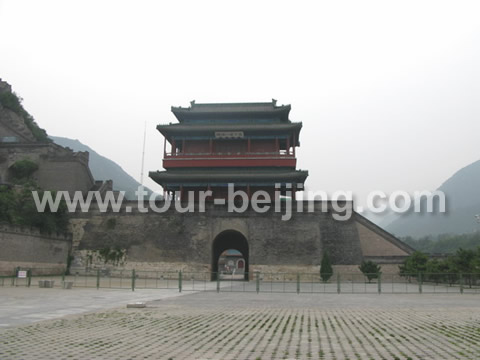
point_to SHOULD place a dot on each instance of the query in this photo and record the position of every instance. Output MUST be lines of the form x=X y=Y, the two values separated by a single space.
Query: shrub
x=23 y=170
x=370 y=269
x=18 y=208
x=326 y=270
x=115 y=255
x=414 y=264
x=111 y=223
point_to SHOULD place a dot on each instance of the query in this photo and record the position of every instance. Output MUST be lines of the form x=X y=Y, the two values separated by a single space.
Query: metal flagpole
x=143 y=152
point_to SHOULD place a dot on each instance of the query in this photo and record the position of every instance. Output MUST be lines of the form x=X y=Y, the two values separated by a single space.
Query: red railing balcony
x=280 y=154
x=276 y=159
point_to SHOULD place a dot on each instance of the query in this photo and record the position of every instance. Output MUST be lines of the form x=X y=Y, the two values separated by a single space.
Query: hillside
x=462 y=191
x=103 y=168
x=444 y=244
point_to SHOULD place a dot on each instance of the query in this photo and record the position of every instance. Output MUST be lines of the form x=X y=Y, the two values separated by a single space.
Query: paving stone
x=260 y=326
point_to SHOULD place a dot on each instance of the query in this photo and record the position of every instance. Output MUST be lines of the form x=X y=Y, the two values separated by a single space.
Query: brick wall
x=180 y=241
x=30 y=249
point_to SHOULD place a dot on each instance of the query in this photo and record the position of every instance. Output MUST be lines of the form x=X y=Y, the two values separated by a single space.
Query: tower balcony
x=246 y=159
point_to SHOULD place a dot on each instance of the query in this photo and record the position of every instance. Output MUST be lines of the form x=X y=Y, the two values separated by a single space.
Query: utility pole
x=143 y=152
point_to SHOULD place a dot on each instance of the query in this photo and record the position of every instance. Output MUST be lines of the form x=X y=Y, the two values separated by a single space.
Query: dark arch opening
x=229 y=239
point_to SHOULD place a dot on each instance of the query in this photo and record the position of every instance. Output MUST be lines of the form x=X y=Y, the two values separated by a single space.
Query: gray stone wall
x=29 y=248
x=188 y=238
x=64 y=174
x=59 y=168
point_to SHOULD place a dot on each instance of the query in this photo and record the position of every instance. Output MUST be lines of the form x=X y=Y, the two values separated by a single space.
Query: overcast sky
x=388 y=92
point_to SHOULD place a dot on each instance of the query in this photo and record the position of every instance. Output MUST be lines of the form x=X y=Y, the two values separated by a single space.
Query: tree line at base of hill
x=444 y=244
x=463 y=266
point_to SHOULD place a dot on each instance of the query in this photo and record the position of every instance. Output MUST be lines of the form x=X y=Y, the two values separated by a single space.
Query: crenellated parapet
x=60 y=153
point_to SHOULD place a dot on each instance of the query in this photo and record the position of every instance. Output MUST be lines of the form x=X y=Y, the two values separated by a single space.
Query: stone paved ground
x=261 y=326
x=21 y=305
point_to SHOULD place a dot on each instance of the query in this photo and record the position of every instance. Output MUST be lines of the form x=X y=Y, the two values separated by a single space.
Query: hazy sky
x=388 y=92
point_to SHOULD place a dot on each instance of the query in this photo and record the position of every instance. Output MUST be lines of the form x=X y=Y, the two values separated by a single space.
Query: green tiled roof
x=229 y=176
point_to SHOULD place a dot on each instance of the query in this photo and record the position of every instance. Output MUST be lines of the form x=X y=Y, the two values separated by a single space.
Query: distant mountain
x=103 y=168
x=462 y=192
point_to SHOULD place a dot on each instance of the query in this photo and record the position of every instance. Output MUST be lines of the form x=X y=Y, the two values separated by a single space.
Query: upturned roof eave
x=229 y=109
x=167 y=129
x=163 y=177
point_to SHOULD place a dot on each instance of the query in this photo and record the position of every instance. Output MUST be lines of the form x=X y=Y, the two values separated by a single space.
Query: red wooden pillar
x=210 y=146
x=288 y=145
x=174 y=147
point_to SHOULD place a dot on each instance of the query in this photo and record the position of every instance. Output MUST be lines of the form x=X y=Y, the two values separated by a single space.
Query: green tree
x=17 y=207
x=476 y=262
x=476 y=265
x=449 y=269
x=436 y=270
x=370 y=269
x=326 y=270
x=8 y=204
x=414 y=264
x=464 y=262
x=23 y=170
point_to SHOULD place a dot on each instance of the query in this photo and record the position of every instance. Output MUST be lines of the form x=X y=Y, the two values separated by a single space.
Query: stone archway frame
x=229 y=239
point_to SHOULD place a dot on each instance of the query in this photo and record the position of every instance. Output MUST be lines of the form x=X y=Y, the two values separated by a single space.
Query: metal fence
x=300 y=283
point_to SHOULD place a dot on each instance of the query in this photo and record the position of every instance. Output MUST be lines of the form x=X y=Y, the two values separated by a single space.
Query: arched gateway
x=253 y=146
x=226 y=240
